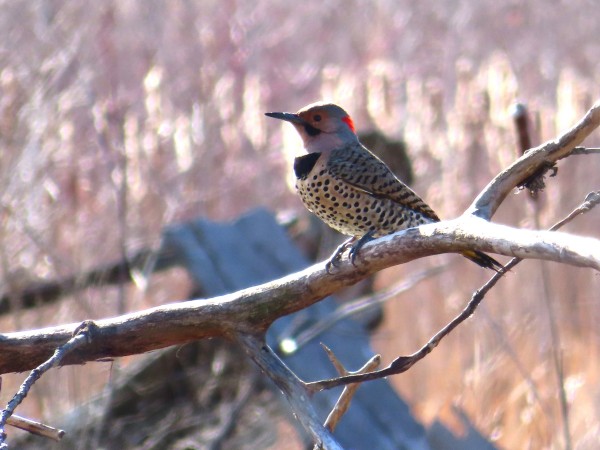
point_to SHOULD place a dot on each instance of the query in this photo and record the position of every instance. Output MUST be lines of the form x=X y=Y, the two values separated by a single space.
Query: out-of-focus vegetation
x=117 y=118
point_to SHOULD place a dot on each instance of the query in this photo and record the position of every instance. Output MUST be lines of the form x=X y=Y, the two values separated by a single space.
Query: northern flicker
x=350 y=188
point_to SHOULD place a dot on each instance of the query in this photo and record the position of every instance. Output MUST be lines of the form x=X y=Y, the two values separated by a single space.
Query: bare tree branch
x=585 y=151
x=486 y=203
x=254 y=309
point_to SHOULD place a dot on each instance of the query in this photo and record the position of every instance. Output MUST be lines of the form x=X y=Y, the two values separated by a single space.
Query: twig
x=82 y=335
x=591 y=200
x=343 y=403
x=585 y=151
x=35 y=427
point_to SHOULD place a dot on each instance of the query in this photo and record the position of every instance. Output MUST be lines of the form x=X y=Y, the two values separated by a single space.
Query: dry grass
x=119 y=118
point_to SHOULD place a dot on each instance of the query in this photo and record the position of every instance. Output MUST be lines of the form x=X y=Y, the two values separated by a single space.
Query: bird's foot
x=354 y=244
x=337 y=255
x=359 y=244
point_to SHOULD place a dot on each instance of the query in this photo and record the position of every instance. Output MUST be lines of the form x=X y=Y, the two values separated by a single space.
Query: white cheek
x=323 y=141
x=292 y=146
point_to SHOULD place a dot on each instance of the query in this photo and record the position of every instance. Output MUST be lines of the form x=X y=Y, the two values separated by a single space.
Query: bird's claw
x=352 y=254
x=331 y=263
x=358 y=245
x=337 y=255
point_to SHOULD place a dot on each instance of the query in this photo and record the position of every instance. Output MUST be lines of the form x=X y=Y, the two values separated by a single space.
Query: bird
x=350 y=188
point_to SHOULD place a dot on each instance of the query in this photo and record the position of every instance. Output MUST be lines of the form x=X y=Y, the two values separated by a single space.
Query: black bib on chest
x=304 y=164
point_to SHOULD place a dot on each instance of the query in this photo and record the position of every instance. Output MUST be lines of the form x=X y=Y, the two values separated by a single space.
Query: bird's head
x=321 y=126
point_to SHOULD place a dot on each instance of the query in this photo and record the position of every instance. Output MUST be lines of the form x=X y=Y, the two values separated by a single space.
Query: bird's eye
x=317 y=117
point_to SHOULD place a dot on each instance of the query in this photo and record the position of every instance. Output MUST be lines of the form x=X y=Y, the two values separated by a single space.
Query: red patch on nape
x=348 y=121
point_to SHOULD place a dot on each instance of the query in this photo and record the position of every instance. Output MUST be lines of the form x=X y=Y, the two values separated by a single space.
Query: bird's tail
x=483 y=260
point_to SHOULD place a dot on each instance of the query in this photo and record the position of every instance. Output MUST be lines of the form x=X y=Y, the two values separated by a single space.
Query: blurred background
x=119 y=118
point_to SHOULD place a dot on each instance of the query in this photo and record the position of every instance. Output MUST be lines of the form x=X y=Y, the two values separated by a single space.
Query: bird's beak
x=288 y=117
